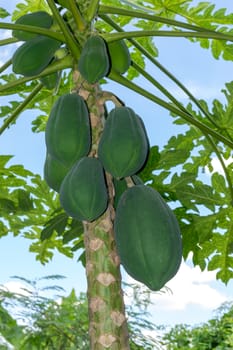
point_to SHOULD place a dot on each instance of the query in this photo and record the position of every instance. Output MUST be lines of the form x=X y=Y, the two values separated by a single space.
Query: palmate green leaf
x=19 y=89
x=203 y=14
x=222 y=260
x=192 y=196
x=146 y=173
x=206 y=15
x=165 y=8
x=6 y=111
x=4 y=159
x=25 y=202
x=196 y=230
x=219 y=183
x=177 y=150
x=3 y=13
x=36 y=211
x=75 y=231
x=57 y=223
x=29 y=6
x=44 y=250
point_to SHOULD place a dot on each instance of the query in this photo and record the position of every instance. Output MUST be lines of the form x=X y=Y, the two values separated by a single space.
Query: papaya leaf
x=75 y=231
x=29 y=6
x=78 y=245
x=3 y=13
x=218 y=183
x=25 y=202
x=44 y=249
x=7 y=206
x=4 y=159
x=222 y=260
x=153 y=158
x=57 y=223
x=82 y=258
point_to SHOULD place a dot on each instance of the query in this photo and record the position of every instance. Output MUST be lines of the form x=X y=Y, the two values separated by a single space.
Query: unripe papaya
x=147 y=237
x=123 y=146
x=120 y=186
x=83 y=193
x=94 y=62
x=68 y=133
x=119 y=56
x=54 y=172
x=34 y=55
x=37 y=19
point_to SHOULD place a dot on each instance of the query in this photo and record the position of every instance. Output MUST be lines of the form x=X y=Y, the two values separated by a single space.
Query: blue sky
x=194 y=294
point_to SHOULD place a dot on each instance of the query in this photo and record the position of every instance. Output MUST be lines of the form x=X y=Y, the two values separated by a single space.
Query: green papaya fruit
x=119 y=56
x=123 y=146
x=54 y=172
x=37 y=19
x=68 y=131
x=147 y=236
x=83 y=193
x=94 y=63
x=120 y=186
x=51 y=81
x=34 y=55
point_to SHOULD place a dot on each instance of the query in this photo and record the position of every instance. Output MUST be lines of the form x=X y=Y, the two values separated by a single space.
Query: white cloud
x=190 y=286
x=16 y=287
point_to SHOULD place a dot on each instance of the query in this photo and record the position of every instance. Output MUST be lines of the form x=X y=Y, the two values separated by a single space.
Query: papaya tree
x=107 y=191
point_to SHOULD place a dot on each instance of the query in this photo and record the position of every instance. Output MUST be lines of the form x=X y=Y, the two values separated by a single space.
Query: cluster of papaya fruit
x=37 y=51
x=122 y=151
x=146 y=230
x=97 y=58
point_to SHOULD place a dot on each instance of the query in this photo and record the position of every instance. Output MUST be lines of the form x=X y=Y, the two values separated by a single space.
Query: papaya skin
x=83 y=193
x=38 y=19
x=119 y=56
x=123 y=146
x=34 y=56
x=94 y=63
x=147 y=236
x=54 y=172
x=68 y=132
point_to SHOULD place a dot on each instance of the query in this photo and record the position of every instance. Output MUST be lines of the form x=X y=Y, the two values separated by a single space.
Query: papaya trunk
x=107 y=319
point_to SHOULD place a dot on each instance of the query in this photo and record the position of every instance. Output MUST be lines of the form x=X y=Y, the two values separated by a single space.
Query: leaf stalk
x=20 y=108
